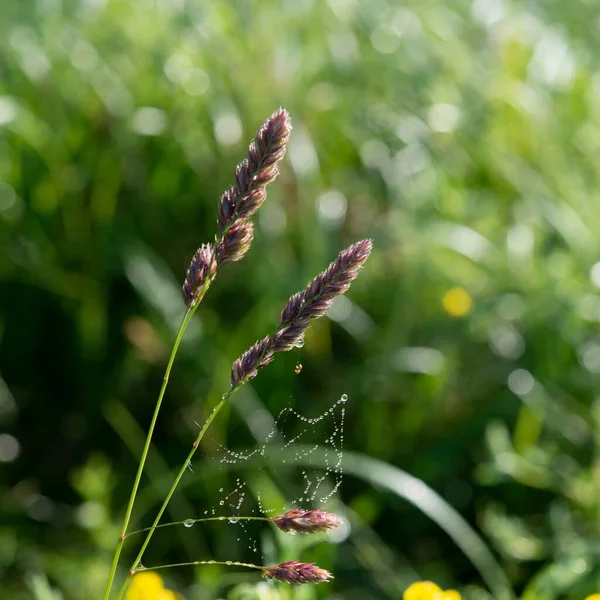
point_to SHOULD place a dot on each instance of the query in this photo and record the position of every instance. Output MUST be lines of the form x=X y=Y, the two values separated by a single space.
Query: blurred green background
x=463 y=137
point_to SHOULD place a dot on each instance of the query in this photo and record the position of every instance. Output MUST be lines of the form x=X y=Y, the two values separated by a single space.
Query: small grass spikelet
x=297 y=573
x=252 y=175
x=235 y=243
x=299 y=520
x=199 y=273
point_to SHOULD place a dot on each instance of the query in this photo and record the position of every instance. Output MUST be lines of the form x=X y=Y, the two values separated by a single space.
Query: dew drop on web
x=233 y=520
x=188 y=523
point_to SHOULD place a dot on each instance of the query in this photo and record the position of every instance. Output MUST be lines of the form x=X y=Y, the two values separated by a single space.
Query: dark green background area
x=462 y=137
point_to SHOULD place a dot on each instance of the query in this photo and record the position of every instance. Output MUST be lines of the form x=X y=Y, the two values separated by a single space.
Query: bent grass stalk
x=190 y=522
x=163 y=507
x=135 y=566
x=228 y=563
x=295 y=520
x=292 y=571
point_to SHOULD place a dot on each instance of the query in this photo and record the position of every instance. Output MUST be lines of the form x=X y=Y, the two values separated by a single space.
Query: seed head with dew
x=301 y=308
x=299 y=520
x=297 y=573
x=238 y=204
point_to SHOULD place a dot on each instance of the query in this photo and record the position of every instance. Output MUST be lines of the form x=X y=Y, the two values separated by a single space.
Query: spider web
x=286 y=452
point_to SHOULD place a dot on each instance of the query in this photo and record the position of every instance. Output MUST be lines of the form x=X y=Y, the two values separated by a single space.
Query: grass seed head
x=297 y=573
x=301 y=309
x=299 y=520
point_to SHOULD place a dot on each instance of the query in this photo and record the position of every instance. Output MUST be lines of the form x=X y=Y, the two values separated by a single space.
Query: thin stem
x=189 y=522
x=227 y=563
x=182 y=471
x=186 y=319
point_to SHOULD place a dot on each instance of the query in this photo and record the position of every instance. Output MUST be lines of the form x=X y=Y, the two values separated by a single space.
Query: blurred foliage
x=460 y=136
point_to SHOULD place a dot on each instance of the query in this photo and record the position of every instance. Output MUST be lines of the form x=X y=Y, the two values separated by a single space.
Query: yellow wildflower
x=427 y=590
x=449 y=595
x=147 y=585
x=593 y=597
x=457 y=302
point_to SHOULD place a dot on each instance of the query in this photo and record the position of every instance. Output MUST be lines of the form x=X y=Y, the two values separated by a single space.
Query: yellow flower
x=427 y=590
x=593 y=597
x=457 y=302
x=449 y=595
x=149 y=586
x=421 y=590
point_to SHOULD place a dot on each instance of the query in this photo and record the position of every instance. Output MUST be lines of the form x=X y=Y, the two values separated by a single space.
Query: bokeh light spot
x=332 y=208
x=148 y=120
x=323 y=96
x=595 y=274
x=9 y=447
x=8 y=110
x=443 y=117
x=589 y=356
x=197 y=84
x=385 y=39
x=90 y=515
x=520 y=382
x=228 y=129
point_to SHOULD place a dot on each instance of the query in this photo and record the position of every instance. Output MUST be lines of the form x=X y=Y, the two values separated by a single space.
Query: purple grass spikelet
x=235 y=243
x=297 y=573
x=200 y=271
x=289 y=337
x=226 y=208
x=246 y=367
x=299 y=520
x=301 y=308
x=242 y=200
x=314 y=301
x=239 y=203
